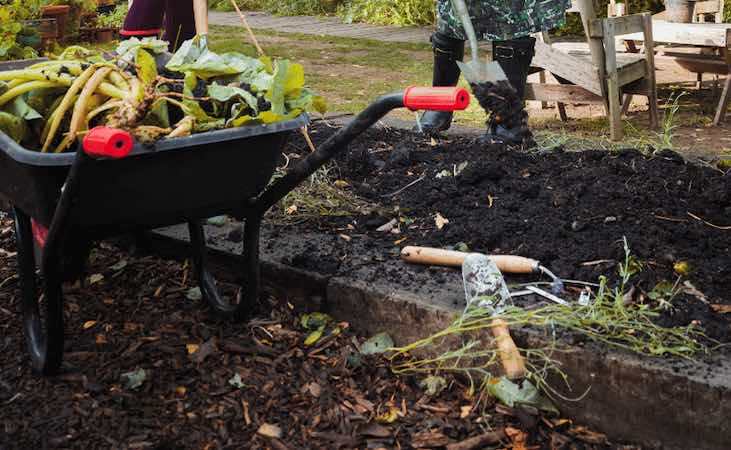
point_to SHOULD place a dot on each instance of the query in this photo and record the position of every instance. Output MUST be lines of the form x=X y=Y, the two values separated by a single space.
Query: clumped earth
x=147 y=366
x=506 y=108
x=570 y=210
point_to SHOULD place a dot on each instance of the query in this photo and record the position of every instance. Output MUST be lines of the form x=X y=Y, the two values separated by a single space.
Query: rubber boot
x=515 y=57
x=447 y=51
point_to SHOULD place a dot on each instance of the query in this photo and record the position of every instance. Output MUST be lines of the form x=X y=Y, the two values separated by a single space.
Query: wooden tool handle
x=450 y=258
x=511 y=358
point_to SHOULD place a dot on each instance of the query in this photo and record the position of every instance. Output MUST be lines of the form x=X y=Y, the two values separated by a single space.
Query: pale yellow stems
x=82 y=107
x=66 y=103
x=111 y=90
x=36 y=75
x=111 y=104
x=118 y=80
x=24 y=88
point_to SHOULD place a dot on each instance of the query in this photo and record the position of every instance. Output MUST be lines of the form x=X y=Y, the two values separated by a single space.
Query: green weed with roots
x=609 y=318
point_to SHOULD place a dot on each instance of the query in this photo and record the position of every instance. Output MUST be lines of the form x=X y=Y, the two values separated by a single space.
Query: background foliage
x=404 y=12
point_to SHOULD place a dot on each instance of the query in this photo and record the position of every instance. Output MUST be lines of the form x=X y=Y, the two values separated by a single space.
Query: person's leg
x=515 y=57
x=179 y=22
x=144 y=19
x=447 y=51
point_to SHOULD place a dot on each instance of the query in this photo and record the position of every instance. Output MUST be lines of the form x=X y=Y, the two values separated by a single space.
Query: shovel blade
x=484 y=284
x=478 y=72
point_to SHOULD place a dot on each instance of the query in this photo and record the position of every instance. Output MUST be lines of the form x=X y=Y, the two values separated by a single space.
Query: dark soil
x=570 y=210
x=138 y=318
x=506 y=108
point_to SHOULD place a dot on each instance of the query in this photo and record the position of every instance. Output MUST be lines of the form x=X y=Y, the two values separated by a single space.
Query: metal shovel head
x=477 y=72
x=484 y=284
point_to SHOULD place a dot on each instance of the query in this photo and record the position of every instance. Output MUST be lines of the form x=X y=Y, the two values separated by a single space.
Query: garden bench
x=600 y=74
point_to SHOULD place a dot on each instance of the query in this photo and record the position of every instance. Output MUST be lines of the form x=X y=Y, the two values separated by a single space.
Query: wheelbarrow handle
x=436 y=98
x=105 y=142
x=445 y=99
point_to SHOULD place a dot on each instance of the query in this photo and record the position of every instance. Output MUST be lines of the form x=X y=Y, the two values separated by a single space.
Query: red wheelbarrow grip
x=436 y=98
x=105 y=142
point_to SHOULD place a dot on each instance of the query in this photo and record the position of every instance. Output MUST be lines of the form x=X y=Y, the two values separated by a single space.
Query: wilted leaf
x=133 y=380
x=13 y=126
x=194 y=294
x=270 y=431
x=440 y=221
x=390 y=416
x=377 y=344
x=146 y=67
x=192 y=348
x=683 y=268
x=89 y=324
x=433 y=384
x=314 y=320
x=526 y=393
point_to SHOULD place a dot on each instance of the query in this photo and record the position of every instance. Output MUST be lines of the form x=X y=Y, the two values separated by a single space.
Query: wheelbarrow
x=110 y=186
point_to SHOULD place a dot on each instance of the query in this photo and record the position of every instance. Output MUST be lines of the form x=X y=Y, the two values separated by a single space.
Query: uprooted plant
x=608 y=318
x=196 y=91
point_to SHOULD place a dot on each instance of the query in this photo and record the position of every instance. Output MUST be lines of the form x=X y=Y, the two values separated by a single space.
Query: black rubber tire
x=43 y=332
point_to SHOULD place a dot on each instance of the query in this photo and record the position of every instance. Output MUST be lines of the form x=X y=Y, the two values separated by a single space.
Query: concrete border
x=643 y=400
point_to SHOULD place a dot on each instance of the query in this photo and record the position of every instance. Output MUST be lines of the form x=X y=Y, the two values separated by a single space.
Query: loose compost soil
x=149 y=367
x=570 y=210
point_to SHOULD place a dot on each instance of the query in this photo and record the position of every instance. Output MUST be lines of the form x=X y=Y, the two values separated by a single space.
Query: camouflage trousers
x=497 y=20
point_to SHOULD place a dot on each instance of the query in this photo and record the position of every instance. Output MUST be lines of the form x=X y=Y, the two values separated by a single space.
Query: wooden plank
x=707 y=34
x=622 y=25
x=650 y=69
x=615 y=115
x=707 y=7
x=576 y=70
x=560 y=93
x=723 y=103
x=631 y=72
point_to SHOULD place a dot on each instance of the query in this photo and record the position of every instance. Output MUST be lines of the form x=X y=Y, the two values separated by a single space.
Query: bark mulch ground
x=147 y=366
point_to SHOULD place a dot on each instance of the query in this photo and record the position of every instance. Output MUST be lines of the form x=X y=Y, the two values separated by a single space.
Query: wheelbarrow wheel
x=42 y=314
x=241 y=308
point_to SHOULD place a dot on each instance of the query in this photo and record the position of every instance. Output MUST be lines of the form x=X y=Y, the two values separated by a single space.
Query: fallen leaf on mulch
x=377 y=344
x=204 y=351
x=390 y=416
x=96 y=278
x=119 y=266
x=88 y=324
x=440 y=221
x=194 y=294
x=135 y=379
x=236 y=381
x=269 y=430
x=433 y=384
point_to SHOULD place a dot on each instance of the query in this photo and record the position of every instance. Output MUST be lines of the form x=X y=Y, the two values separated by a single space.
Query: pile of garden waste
x=148 y=92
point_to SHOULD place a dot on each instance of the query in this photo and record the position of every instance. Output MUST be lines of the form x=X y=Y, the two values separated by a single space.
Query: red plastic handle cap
x=40 y=233
x=104 y=142
x=436 y=98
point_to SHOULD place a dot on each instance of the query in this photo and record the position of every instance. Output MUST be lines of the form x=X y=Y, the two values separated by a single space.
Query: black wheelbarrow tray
x=109 y=186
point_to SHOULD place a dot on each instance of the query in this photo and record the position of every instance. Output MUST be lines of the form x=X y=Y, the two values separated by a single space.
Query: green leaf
x=195 y=57
x=146 y=67
x=129 y=48
x=315 y=336
x=526 y=393
x=19 y=108
x=377 y=344
x=278 y=88
x=159 y=114
x=13 y=126
x=262 y=82
x=226 y=93
x=189 y=83
x=314 y=321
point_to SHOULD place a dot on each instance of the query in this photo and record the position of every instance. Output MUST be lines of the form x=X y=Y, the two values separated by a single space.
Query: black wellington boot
x=447 y=51
x=515 y=57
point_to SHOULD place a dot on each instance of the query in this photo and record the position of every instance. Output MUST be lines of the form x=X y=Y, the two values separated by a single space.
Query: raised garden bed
x=566 y=209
